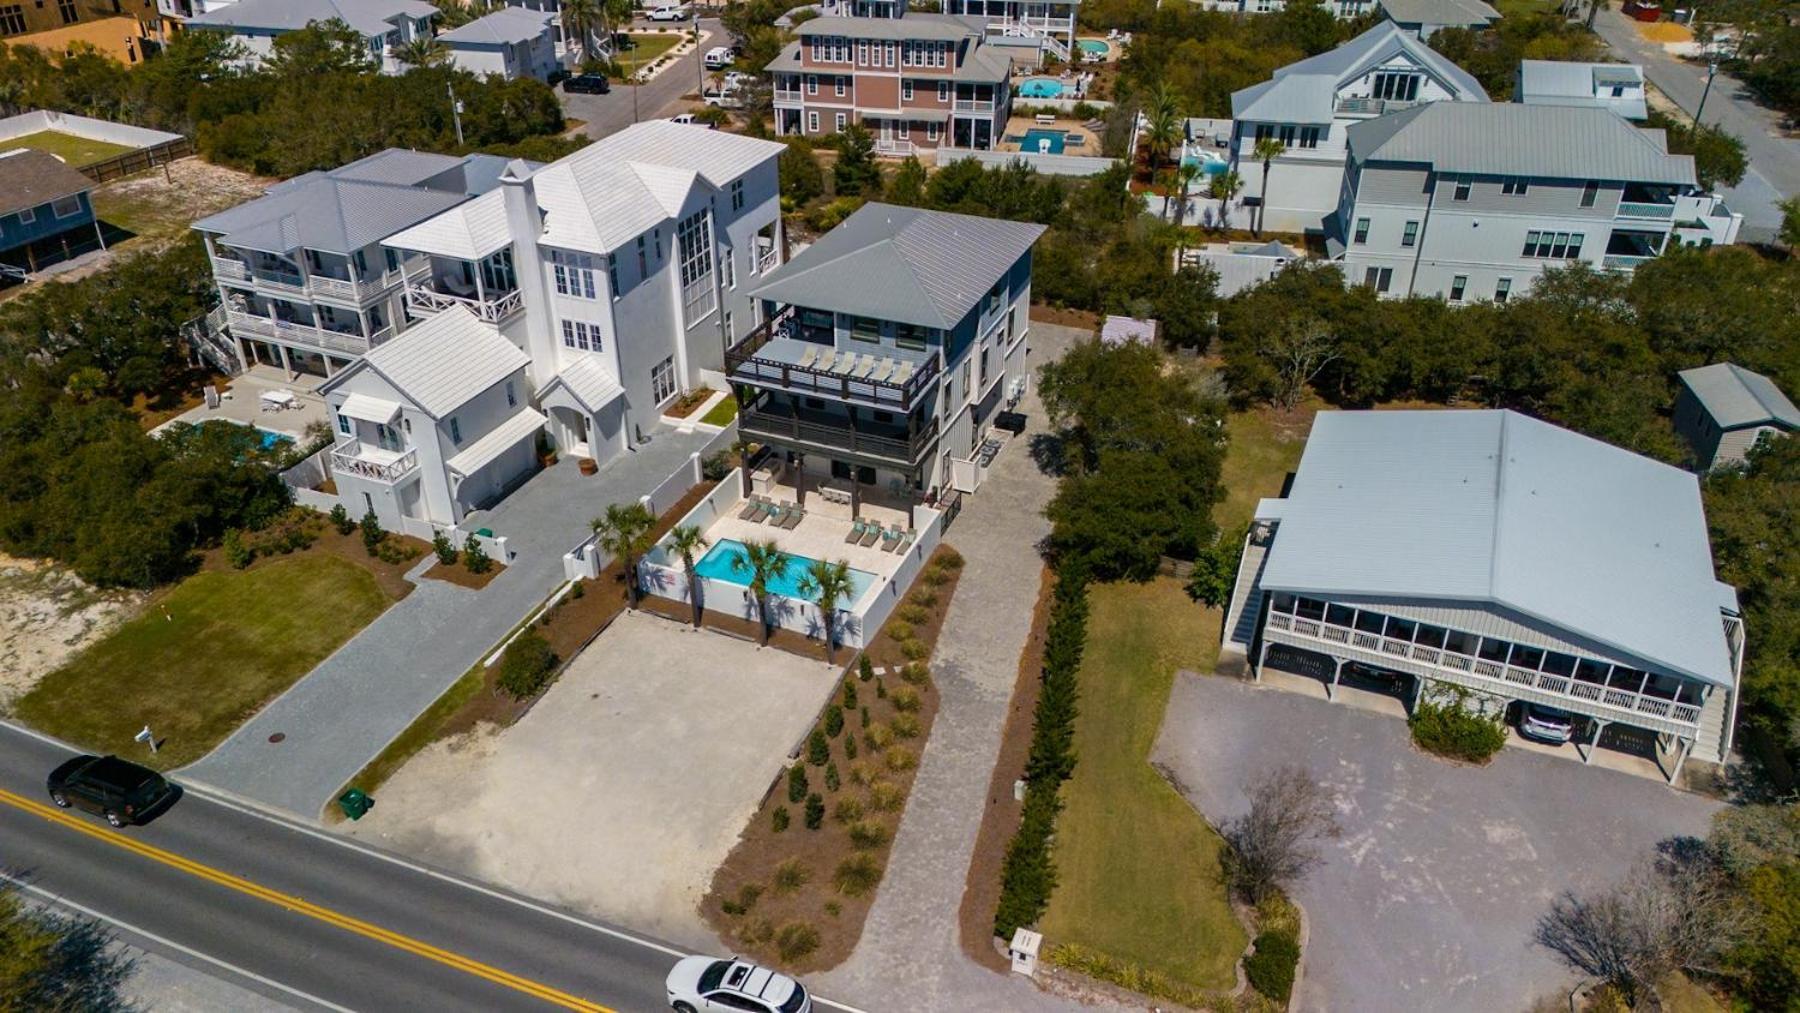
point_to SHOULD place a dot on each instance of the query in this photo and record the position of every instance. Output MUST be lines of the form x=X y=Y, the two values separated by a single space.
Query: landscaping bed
x=647 y=49
x=798 y=886
x=685 y=405
x=461 y=576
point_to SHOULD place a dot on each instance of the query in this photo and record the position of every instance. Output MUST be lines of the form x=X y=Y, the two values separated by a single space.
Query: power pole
x=455 y=112
x=1712 y=70
x=699 y=64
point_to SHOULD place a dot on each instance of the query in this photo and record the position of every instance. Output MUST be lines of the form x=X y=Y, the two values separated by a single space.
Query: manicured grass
x=74 y=150
x=1138 y=869
x=205 y=656
x=722 y=413
x=650 y=45
x=1515 y=8
x=1264 y=448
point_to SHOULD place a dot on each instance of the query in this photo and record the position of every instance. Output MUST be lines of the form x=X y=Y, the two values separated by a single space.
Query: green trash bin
x=485 y=532
x=355 y=803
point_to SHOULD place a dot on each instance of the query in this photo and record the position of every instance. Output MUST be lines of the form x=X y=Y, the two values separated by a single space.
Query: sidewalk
x=344 y=712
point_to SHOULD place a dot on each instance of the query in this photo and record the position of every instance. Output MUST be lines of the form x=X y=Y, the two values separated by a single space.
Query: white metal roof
x=1456 y=13
x=496 y=441
x=1305 y=92
x=369 y=17
x=1736 y=397
x=1513 y=139
x=369 y=408
x=589 y=381
x=1498 y=508
x=469 y=231
x=503 y=27
x=440 y=363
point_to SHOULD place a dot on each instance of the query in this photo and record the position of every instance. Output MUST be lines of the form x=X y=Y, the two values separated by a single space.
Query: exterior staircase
x=1020 y=30
x=1711 y=738
x=1246 y=600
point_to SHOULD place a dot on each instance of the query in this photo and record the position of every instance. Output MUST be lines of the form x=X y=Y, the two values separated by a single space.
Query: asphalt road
x=614 y=111
x=307 y=917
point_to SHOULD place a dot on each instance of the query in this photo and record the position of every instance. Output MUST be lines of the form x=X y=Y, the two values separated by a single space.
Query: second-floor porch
x=312 y=274
x=325 y=328
x=848 y=432
x=799 y=351
x=488 y=288
x=375 y=463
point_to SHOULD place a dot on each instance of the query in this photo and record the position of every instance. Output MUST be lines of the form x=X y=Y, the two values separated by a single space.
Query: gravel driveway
x=1428 y=899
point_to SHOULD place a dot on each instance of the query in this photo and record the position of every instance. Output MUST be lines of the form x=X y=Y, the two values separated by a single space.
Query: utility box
x=355 y=803
x=1024 y=951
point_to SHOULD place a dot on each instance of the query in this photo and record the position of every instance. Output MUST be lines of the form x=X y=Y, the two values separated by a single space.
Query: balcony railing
x=788 y=95
x=347 y=459
x=974 y=105
x=895 y=146
x=1622 y=262
x=778 y=424
x=767 y=260
x=1373 y=106
x=1644 y=209
x=425 y=301
x=1492 y=676
x=743 y=363
x=250 y=325
x=285 y=283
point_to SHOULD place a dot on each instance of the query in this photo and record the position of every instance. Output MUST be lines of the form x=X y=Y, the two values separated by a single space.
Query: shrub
x=900 y=758
x=880 y=737
x=906 y=699
x=900 y=631
x=756 y=931
x=948 y=559
x=833 y=908
x=395 y=553
x=526 y=665
x=848 y=810
x=915 y=650
x=916 y=673
x=746 y=899
x=340 y=519
x=849 y=694
x=850 y=748
x=834 y=720
x=1271 y=846
x=237 y=553
x=865 y=669
x=791 y=875
x=906 y=726
x=577 y=589
x=866 y=835
x=1271 y=968
x=886 y=797
x=815 y=811
x=865 y=717
x=861 y=772
x=936 y=576
x=831 y=777
x=924 y=598
x=717 y=466
x=818 y=748
x=915 y=614
x=797 y=786
x=1446 y=728
x=371 y=532
x=880 y=690
x=446 y=552
x=858 y=874
x=475 y=559
x=795 y=940
x=779 y=819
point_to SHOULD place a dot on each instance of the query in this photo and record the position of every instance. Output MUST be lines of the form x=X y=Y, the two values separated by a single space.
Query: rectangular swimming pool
x=720 y=563
x=1032 y=142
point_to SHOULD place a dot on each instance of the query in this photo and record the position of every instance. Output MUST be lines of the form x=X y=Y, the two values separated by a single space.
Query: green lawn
x=722 y=413
x=1514 y=8
x=71 y=149
x=205 y=656
x=1262 y=452
x=650 y=45
x=1137 y=868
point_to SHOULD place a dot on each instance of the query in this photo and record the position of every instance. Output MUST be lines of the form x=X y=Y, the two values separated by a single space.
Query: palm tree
x=765 y=563
x=422 y=51
x=1268 y=149
x=1224 y=186
x=613 y=14
x=1162 y=125
x=578 y=20
x=624 y=533
x=828 y=583
x=1185 y=174
x=685 y=540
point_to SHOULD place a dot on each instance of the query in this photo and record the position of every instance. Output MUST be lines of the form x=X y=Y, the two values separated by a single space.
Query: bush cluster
x=1446 y=728
x=1271 y=968
x=526 y=665
x=1029 y=873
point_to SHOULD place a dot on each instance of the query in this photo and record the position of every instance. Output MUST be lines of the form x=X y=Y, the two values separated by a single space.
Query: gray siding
x=1397 y=186
x=1561 y=198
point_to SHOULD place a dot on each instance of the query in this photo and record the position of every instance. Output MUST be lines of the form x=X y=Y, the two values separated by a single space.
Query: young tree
x=765 y=563
x=321 y=49
x=1223 y=187
x=686 y=541
x=828 y=584
x=52 y=962
x=1272 y=845
x=1790 y=223
x=422 y=51
x=801 y=178
x=1299 y=352
x=907 y=188
x=623 y=531
x=1185 y=174
x=1162 y=125
x=372 y=534
x=855 y=171
x=1267 y=150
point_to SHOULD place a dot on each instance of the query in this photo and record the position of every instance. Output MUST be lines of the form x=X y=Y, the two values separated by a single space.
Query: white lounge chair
x=883 y=370
x=903 y=373
x=864 y=368
x=808 y=357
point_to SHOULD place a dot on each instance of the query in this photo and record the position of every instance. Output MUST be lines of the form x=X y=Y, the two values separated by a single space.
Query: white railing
x=788 y=95
x=242 y=324
x=767 y=260
x=226 y=267
x=425 y=301
x=346 y=459
x=284 y=283
x=1645 y=209
x=895 y=146
x=1619 y=262
x=1488 y=675
x=974 y=105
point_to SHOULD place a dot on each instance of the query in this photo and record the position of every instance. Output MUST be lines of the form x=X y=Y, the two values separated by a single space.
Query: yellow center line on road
x=307 y=908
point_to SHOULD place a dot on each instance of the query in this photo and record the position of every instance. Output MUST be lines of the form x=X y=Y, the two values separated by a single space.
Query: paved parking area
x=1428 y=899
x=624 y=787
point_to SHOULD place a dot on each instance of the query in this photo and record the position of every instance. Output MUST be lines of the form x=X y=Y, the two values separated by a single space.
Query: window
x=1396 y=87
x=906 y=91
x=1264 y=131
x=865 y=329
x=12 y=19
x=943 y=91
x=862 y=52
x=840 y=83
x=67 y=9
x=1411 y=236
x=581 y=336
x=1589 y=192
x=1574 y=252
x=931 y=131
x=812 y=84
x=1502 y=289
x=662 y=380
x=731 y=269
x=737 y=195
x=1289 y=134
x=905 y=129
x=1493 y=649
x=1514 y=187
x=1531 y=244
x=66 y=207
x=1309 y=137
x=911 y=336
x=1463 y=184
x=612 y=275
x=574 y=273
x=1362 y=230
x=512 y=398
x=455 y=431
x=694 y=243
x=345 y=426
x=812 y=122
x=27 y=216
x=1457 y=285
x=842 y=121
x=1378 y=278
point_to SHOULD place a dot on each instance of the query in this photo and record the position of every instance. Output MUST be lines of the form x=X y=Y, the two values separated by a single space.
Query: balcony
x=373 y=463
x=1373 y=106
x=974 y=105
x=250 y=325
x=1603 y=701
x=788 y=96
x=785 y=424
x=770 y=357
x=289 y=283
x=1621 y=262
x=895 y=146
x=767 y=260
x=1645 y=209
x=424 y=301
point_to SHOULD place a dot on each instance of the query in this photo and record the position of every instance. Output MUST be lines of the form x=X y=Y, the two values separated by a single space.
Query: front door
x=887 y=133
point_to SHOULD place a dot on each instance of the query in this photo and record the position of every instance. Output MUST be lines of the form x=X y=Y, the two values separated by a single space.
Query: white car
x=1546 y=724
x=689 y=119
x=674 y=12
x=717 y=58
x=711 y=983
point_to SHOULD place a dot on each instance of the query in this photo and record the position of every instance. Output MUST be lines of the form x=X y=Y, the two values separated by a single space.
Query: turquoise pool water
x=267 y=439
x=1040 y=87
x=719 y=563
x=1030 y=142
x=1210 y=164
x=1100 y=46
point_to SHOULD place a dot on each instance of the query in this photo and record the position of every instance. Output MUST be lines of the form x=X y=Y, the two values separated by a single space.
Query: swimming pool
x=1100 y=46
x=267 y=439
x=1209 y=163
x=1033 y=140
x=719 y=564
x=1040 y=87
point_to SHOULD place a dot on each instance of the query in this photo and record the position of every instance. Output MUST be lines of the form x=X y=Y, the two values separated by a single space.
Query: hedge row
x=1271 y=967
x=1029 y=874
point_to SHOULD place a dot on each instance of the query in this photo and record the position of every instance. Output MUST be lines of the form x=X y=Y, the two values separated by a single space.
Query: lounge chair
x=752 y=510
x=883 y=370
x=871 y=532
x=890 y=538
x=903 y=374
x=840 y=362
x=791 y=518
x=856 y=533
x=906 y=541
x=808 y=357
x=864 y=368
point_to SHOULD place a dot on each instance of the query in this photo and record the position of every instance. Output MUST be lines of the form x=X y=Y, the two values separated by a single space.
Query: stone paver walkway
x=345 y=711
x=909 y=956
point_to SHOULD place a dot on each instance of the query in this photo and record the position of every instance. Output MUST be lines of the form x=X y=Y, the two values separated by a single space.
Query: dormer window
x=1396 y=87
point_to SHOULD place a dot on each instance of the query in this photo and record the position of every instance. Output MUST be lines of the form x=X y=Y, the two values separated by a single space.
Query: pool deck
x=817 y=536
x=241 y=403
x=1019 y=126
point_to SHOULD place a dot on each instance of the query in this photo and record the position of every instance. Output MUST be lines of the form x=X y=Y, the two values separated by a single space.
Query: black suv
x=118 y=789
x=587 y=84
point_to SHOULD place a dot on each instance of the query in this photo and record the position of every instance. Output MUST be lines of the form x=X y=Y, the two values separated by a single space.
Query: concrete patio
x=241 y=402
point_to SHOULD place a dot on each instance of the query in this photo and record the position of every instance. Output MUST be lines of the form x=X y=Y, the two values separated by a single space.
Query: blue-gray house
x=45 y=213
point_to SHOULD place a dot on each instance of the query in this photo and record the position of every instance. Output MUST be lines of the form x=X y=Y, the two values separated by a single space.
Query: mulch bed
x=458 y=574
x=765 y=927
x=1000 y=817
x=686 y=405
x=390 y=577
x=1065 y=317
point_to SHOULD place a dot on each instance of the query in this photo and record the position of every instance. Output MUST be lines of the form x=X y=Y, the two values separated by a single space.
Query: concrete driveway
x=1428 y=899
x=624 y=787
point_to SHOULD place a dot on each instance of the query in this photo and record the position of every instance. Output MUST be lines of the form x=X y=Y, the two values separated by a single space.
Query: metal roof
x=505 y=26
x=1455 y=13
x=1736 y=397
x=1312 y=97
x=370 y=17
x=29 y=178
x=1570 y=79
x=589 y=381
x=1494 y=507
x=441 y=362
x=1512 y=139
x=496 y=441
x=369 y=408
x=909 y=265
x=470 y=231
x=940 y=27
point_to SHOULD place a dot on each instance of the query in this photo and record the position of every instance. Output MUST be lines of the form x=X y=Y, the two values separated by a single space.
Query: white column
x=1337 y=672
x=1594 y=742
x=1262 y=654
x=286 y=366
x=1685 y=746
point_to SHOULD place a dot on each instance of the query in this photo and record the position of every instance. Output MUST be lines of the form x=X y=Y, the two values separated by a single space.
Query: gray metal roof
x=505 y=26
x=1512 y=139
x=1736 y=397
x=1310 y=98
x=1455 y=13
x=939 y=27
x=1570 y=79
x=370 y=17
x=909 y=265
x=1494 y=507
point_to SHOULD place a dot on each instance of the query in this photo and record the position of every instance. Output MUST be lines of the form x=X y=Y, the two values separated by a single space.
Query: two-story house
x=385 y=25
x=45 y=213
x=887 y=349
x=1475 y=200
x=512 y=42
x=1310 y=106
x=1425 y=18
x=1342 y=9
x=915 y=81
x=1046 y=25
x=1615 y=86
x=302 y=276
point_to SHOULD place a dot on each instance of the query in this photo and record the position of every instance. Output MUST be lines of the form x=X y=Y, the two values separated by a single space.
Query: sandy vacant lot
x=46 y=615
x=625 y=787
